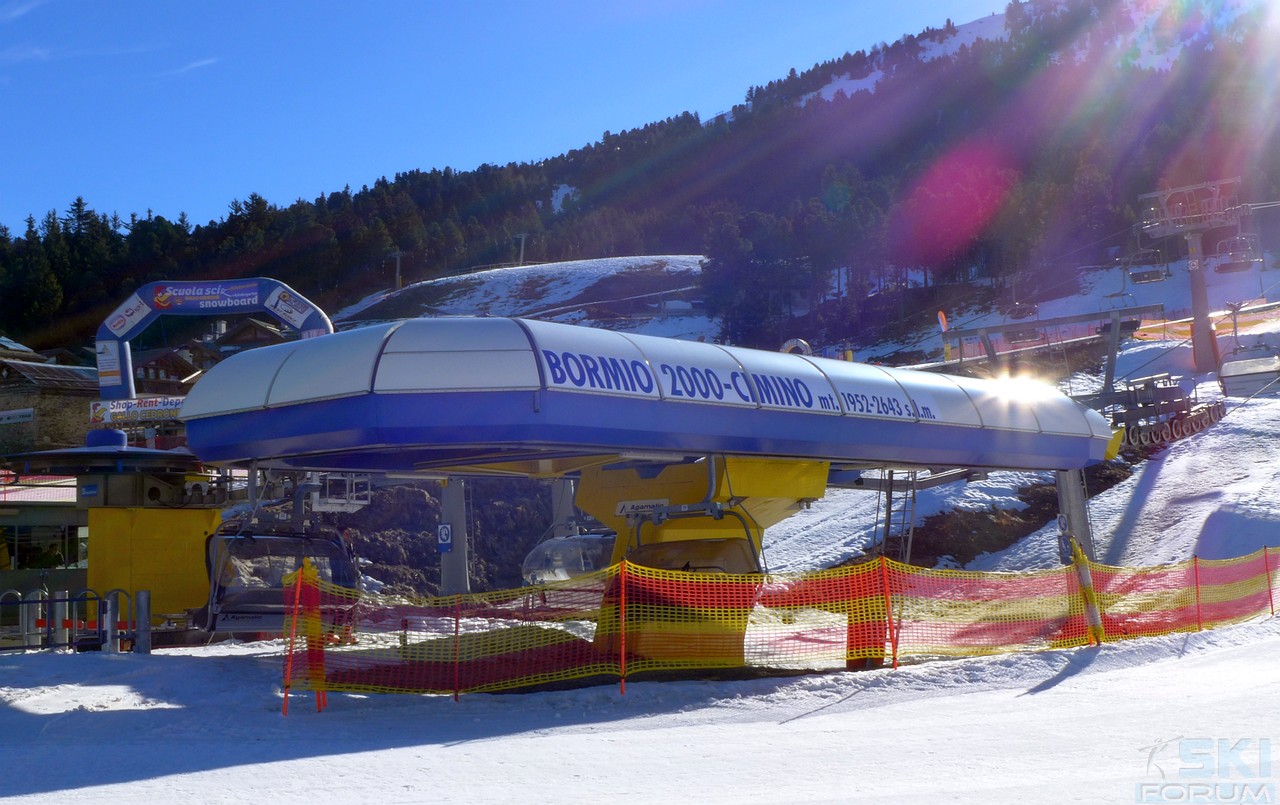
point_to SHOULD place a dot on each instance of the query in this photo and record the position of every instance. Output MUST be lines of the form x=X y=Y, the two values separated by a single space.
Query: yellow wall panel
x=161 y=550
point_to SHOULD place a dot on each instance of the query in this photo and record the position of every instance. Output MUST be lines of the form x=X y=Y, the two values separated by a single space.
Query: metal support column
x=454 y=575
x=61 y=621
x=1113 y=352
x=1073 y=505
x=888 y=510
x=108 y=620
x=142 y=622
x=990 y=348
x=562 y=508
x=1203 y=344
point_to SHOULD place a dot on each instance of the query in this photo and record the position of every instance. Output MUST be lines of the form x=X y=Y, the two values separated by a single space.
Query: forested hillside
x=993 y=158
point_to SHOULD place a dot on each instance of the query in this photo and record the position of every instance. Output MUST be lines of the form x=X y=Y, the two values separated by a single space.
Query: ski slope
x=563 y=292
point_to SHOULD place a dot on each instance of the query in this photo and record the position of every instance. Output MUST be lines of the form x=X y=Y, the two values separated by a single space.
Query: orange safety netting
x=1185 y=597
x=628 y=621
x=966 y=613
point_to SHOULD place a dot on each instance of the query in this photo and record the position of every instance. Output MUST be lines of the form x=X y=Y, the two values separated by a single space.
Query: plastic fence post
x=888 y=609
x=313 y=631
x=315 y=635
x=1266 y=564
x=1092 y=611
x=293 y=637
x=1195 y=566
x=622 y=628
x=457 y=629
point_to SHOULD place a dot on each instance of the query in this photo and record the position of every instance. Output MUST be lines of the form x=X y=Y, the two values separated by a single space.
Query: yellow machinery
x=707 y=515
x=704 y=516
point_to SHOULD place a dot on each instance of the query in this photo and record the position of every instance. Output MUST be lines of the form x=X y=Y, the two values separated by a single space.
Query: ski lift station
x=687 y=450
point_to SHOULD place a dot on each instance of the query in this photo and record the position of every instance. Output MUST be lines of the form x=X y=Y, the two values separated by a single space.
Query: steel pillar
x=61 y=618
x=455 y=577
x=108 y=618
x=562 y=508
x=1073 y=507
x=142 y=622
x=1203 y=342
x=1113 y=353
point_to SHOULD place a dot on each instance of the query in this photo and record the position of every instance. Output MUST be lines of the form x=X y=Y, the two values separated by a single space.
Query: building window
x=43 y=547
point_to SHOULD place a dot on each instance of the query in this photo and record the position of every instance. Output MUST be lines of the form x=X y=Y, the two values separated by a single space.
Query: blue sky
x=184 y=106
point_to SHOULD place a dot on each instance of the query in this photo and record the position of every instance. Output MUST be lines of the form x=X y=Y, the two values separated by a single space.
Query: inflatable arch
x=115 y=361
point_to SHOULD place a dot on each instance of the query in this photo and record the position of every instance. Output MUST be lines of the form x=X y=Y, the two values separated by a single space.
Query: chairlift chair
x=1118 y=301
x=1022 y=310
x=1031 y=332
x=1148 y=275
x=1146 y=266
x=564 y=557
x=1024 y=335
x=1145 y=257
x=1238 y=253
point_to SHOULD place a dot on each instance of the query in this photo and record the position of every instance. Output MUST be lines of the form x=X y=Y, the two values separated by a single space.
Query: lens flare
x=1024 y=388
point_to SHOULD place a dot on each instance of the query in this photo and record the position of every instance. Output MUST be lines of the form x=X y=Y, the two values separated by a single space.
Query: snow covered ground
x=1152 y=43
x=1216 y=495
x=990 y=28
x=1142 y=721
x=556 y=292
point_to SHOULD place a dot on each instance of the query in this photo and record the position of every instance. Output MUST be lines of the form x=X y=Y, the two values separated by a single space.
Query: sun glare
x=1024 y=388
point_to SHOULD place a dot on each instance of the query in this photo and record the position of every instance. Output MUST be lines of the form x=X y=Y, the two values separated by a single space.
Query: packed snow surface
x=1089 y=725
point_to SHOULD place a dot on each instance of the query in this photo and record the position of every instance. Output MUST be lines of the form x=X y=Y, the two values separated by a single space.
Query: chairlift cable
x=1184 y=341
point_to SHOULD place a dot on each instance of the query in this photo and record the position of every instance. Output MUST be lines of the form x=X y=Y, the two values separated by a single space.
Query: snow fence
x=634 y=622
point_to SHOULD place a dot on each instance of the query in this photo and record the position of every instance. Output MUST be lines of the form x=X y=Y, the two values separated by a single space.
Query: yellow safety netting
x=633 y=622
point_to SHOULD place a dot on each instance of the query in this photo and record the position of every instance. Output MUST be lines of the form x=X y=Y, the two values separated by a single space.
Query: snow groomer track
x=427 y=394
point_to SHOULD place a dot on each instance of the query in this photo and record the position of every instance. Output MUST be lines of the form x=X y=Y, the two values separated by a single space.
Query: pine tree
x=33 y=294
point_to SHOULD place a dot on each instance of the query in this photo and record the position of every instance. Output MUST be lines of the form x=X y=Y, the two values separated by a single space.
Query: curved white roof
x=486 y=356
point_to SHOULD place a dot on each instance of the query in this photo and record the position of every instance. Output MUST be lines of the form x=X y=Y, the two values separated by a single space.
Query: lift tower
x=1191 y=211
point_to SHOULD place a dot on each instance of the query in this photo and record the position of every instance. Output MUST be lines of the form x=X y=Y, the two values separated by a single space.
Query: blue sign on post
x=444 y=538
